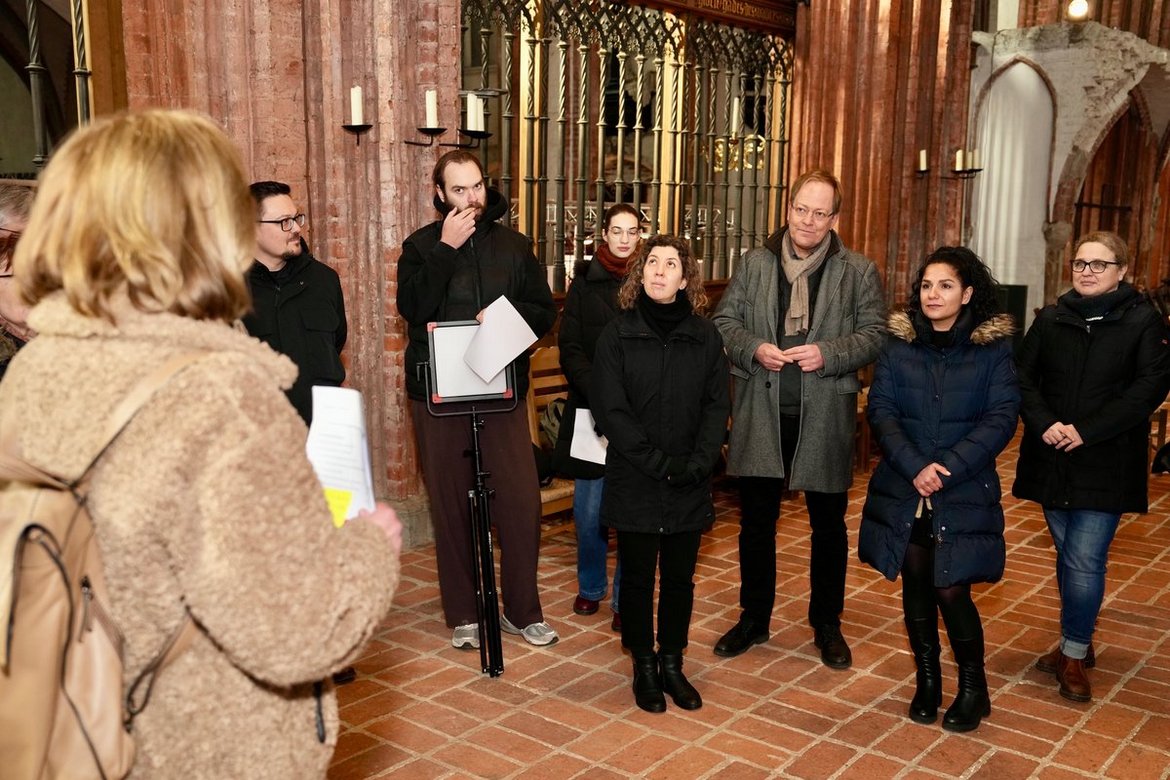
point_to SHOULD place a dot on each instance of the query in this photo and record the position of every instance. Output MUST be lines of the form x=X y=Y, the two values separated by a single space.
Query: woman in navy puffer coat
x=943 y=405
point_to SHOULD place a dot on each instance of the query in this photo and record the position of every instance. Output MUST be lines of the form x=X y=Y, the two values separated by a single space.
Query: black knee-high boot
x=648 y=683
x=924 y=643
x=972 y=702
x=676 y=684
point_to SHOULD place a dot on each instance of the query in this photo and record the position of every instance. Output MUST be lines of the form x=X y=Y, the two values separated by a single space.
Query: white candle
x=355 y=106
x=975 y=159
x=959 y=160
x=479 y=111
x=734 y=114
x=469 y=122
x=922 y=160
x=432 y=108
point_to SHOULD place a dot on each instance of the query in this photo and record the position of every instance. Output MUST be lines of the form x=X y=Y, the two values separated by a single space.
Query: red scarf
x=615 y=265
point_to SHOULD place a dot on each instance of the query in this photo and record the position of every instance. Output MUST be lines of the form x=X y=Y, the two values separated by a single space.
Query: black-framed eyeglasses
x=286 y=223
x=1096 y=266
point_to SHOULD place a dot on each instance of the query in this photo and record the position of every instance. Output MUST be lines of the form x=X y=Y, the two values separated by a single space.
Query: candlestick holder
x=430 y=132
x=475 y=135
x=357 y=131
x=963 y=173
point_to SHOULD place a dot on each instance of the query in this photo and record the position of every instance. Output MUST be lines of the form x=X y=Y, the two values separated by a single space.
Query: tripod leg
x=476 y=557
x=491 y=601
x=487 y=603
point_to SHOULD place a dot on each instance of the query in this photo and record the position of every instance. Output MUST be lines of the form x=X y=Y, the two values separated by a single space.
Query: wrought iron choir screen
x=594 y=103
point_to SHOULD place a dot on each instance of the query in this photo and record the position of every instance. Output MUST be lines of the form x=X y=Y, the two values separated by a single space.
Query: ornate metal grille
x=685 y=118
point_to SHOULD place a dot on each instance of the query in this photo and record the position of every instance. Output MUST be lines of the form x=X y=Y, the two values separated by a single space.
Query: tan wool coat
x=207 y=502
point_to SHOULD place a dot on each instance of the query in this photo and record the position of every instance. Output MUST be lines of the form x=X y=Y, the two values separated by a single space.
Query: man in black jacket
x=450 y=270
x=298 y=309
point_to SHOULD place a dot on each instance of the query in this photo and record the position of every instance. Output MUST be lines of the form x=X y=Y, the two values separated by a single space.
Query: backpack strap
x=137 y=696
x=133 y=402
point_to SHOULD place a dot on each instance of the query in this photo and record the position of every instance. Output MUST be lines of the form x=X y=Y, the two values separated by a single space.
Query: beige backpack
x=62 y=709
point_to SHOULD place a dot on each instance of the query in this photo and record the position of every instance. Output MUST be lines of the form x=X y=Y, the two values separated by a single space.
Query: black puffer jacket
x=439 y=284
x=590 y=305
x=1105 y=378
x=657 y=401
x=299 y=311
x=957 y=407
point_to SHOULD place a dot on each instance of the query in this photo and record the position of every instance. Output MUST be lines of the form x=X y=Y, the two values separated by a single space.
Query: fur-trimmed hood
x=999 y=326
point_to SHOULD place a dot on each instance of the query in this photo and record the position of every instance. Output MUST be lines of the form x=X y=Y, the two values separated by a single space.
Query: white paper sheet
x=586 y=444
x=502 y=336
x=339 y=451
x=454 y=377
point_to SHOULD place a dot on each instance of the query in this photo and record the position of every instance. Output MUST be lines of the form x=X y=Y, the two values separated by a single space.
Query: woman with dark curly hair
x=943 y=405
x=660 y=394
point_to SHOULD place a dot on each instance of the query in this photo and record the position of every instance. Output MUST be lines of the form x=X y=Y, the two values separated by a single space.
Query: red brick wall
x=277 y=75
x=875 y=82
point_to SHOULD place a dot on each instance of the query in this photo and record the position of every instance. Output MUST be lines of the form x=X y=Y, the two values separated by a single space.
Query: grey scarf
x=798 y=317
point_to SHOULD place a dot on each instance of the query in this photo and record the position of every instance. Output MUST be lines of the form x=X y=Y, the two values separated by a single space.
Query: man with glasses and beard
x=800 y=316
x=298 y=308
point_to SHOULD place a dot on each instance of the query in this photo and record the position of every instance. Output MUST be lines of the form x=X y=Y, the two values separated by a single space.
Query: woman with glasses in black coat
x=1093 y=368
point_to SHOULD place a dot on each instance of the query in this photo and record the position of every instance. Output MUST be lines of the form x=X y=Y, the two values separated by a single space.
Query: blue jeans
x=1082 y=538
x=592 y=542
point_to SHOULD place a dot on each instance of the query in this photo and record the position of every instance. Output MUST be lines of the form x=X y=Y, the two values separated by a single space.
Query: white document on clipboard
x=454 y=378
x=501 y=337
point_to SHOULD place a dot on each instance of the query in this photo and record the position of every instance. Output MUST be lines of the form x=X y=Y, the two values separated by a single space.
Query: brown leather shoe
x=1074 y=684
x=1047 y=662
x=584 y=606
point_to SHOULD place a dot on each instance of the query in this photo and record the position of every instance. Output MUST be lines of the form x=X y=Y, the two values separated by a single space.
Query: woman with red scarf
x=592 y=301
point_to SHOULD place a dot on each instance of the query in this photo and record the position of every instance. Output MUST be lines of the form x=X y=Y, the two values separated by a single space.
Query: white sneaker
x=539 y=634
x=466 y=637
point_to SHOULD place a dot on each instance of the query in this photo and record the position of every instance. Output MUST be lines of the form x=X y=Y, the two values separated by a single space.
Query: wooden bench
x=546 y=383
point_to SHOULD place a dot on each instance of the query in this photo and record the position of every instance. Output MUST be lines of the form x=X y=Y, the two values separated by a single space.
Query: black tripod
x=487 y=599
x=487 y=602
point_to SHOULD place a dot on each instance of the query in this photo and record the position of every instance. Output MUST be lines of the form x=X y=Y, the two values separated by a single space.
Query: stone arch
x=1010 y=197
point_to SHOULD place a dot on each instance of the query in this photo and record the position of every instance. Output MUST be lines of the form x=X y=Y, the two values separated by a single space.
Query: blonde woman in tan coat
x=135 y=252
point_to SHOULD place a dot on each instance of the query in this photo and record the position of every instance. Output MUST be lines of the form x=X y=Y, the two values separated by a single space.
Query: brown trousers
x=515 y=509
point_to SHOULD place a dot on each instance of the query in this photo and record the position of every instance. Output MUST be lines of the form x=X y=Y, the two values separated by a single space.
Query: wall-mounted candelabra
x=967 y=163
x=474 y=123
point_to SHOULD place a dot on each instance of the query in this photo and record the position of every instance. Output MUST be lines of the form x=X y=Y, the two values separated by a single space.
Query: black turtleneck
x=663 y=318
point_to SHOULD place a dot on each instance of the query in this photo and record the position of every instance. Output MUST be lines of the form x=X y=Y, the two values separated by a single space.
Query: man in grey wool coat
x=799 y=317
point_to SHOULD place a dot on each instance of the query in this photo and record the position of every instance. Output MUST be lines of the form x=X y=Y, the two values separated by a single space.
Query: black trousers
x=829 y=556
x=443 y=443
x=673 y=558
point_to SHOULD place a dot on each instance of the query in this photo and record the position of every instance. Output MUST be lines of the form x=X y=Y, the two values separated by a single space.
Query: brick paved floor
x=421 y=709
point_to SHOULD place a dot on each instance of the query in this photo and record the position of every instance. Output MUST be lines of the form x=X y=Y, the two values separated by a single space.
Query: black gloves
x=679 y=472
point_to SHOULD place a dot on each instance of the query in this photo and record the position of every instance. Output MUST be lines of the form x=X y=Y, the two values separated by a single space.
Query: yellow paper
x=338 y=501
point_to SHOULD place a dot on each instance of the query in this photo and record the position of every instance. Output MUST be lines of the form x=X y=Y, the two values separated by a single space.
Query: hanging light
x=1078 y=10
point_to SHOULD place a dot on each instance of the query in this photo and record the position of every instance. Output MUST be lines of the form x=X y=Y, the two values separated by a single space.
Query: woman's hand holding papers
x=386 y=518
